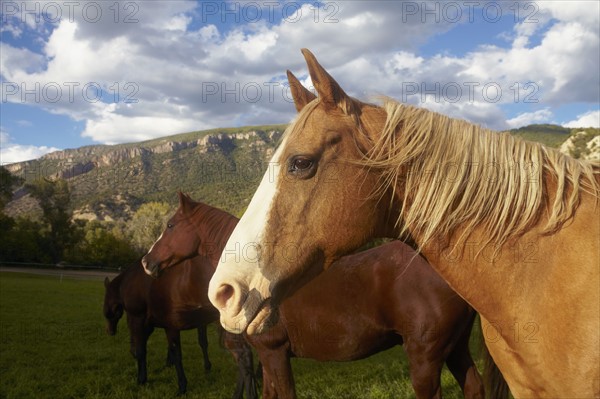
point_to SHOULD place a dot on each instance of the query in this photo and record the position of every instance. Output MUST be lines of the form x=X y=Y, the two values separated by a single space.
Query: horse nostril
x=223 y=295
x=150 y=267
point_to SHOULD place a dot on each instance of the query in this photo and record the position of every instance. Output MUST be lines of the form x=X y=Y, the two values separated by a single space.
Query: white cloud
x=19 y=60
x=527 y=118
x=481 y=113
x=110 y=126
x=12 y=152
x=588 y=119
x=171 y=66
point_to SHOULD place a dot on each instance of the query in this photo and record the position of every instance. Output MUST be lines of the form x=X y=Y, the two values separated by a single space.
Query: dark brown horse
x=408 y=304
x=366 y=303
x=176 y=301
x=132 y=292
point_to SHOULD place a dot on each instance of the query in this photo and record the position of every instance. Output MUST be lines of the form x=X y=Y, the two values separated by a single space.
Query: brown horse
x=132 y=293
x=328 y=320
x=176 y=301
x=366 y=303
x=511 y=225
x=173 y=303
x=178 y=298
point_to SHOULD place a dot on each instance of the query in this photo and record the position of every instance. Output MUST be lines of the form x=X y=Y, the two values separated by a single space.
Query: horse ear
x=328 y=89
x=185 y=202
x=300 y=94
x=106 y=282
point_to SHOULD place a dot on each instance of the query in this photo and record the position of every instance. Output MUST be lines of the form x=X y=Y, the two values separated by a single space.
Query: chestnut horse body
x=193 y=240
x=366 y=303
x=175 y=302
x=512 y=226
x=329 y=320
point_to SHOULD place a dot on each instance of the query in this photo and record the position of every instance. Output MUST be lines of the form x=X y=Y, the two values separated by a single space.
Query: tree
x=25 y=242
x=99 y=246
x=54 y=198
x=7 y=182
x=7 y=224
x=147 y=224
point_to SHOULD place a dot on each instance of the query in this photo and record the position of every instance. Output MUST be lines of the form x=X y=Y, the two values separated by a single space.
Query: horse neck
x=214 y=227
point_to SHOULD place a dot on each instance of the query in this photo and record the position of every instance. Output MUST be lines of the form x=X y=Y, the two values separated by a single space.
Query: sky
x=76 y=73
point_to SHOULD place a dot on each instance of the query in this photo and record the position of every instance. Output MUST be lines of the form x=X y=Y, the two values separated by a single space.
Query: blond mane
x=450 y=173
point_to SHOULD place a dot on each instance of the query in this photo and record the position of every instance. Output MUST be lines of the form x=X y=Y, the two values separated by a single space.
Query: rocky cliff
x=103 y=177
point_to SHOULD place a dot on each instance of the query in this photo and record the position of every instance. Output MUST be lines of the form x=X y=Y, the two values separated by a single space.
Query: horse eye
x=169 y=225
x=300 y=164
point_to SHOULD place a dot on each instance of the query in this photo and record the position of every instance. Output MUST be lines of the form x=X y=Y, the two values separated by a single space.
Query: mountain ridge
x=219 y=166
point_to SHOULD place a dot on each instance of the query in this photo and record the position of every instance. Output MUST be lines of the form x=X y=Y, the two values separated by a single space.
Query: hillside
x=550 y=135
x=220 y=166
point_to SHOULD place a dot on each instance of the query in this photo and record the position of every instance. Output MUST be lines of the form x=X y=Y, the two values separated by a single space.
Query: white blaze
x=239 y=262
x=144 y=263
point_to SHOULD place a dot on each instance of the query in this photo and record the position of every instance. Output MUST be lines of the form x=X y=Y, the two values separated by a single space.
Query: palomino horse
x=174 y=303
x=328 y=320
x=404 y=301
x=511 y=225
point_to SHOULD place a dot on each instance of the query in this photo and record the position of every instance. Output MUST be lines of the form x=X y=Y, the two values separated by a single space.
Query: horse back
x=406 y=291
x=368 y=302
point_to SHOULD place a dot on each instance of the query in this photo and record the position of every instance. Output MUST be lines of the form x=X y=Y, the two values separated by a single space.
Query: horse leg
x=203 y=342
x=246 y=367
x=134 y=338
x=175 y=347
x=461 y=365
x=242 y=353
x=278 y=380
x=133 y=331
x=140 y=355
x=268 y=391
x=140 y=333
x=170 y=355
x=170 y=358
x=425 y=370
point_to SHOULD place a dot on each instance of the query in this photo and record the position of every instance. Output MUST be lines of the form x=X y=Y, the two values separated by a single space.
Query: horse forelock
x=449 y=173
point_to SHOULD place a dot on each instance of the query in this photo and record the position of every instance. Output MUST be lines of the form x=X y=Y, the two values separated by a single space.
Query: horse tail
x=493 y=380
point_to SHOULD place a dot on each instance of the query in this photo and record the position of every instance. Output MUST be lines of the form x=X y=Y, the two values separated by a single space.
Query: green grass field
x=53 y=345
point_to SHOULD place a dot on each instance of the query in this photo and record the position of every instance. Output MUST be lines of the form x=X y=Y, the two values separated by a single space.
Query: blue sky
x=79 y=73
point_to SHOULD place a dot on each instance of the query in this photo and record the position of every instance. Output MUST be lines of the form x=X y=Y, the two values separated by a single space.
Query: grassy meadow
x=53 y=345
